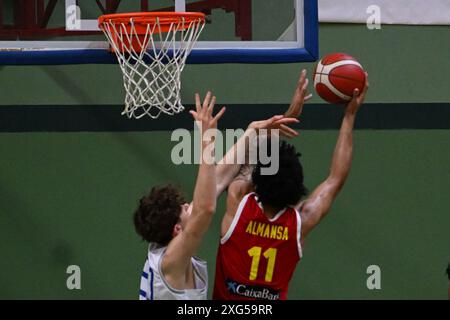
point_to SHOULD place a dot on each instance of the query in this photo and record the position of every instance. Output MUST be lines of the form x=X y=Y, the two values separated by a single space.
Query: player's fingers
x=302 y=77
x=197 y=102
x=286 y=121
x=288 y=129
x=288 y=132
x=211 y=105
x=305 y=85
x=286 y=135
x=207 y=100
x=355 y=93
x=275 y=119
x=220 y=114
x=205 y=105
x=308 y=97
x=366 y=87
x=194 y=114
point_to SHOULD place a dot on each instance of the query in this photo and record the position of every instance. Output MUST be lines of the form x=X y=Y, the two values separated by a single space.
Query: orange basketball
x=336 y=77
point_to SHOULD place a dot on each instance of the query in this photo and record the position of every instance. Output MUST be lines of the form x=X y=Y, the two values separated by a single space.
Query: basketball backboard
x=237 y=31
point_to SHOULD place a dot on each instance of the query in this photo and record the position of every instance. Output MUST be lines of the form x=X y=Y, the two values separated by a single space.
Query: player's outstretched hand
x=276 y=122
x=203 y=114
x=358 y=98
x=300 y=97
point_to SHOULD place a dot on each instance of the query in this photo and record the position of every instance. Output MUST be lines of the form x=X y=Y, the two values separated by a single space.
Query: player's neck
x=270 y=211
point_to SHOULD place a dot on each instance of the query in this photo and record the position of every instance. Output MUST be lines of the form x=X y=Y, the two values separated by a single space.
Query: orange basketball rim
x=137 y=25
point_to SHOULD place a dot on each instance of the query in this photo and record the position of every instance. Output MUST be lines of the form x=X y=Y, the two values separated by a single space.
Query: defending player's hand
x=204 y=112
x=300 y=97
x=276 y=122
x=358 y=98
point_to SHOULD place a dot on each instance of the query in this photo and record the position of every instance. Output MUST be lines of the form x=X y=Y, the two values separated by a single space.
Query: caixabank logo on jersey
x=258 y=292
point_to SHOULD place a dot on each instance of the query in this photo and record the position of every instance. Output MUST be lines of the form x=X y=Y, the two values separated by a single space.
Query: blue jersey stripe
x=143 y=293
x=145 y=274
x=151 y=283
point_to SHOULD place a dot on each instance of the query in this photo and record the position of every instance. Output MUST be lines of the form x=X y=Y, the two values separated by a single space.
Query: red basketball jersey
x=257 y=256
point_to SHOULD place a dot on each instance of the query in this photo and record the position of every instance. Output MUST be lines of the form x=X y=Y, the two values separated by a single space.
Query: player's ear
x=176 y=230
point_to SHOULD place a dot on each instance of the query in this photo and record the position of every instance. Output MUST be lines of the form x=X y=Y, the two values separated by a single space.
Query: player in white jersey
x=175 y=229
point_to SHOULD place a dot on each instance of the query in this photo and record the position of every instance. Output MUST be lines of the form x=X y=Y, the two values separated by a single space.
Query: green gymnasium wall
x=68 y=198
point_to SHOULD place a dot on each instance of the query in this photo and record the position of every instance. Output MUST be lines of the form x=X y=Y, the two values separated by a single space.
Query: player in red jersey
x=266 y=223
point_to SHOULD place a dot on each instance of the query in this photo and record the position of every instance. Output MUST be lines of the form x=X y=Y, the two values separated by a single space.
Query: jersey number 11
x=270 y=254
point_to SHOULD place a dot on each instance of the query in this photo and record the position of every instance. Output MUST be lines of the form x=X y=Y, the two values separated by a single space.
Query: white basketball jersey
x=155 y=287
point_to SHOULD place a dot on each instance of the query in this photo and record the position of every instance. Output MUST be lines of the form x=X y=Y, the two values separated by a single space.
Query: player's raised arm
x=180 y=250
x=319 y=202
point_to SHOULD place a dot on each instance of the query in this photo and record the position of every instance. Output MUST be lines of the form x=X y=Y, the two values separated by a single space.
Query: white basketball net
x=152 y=77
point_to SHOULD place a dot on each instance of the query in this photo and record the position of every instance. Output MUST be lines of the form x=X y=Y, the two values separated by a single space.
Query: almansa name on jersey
x=269 y=231
x=249 y=291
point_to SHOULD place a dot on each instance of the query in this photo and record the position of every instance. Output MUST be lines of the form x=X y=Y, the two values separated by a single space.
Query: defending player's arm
x=230 y=165
x=299 y=98
x=319 y=202
x=183 y=247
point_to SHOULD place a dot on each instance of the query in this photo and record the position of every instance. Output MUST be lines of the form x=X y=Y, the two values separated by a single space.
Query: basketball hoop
x=152 y=48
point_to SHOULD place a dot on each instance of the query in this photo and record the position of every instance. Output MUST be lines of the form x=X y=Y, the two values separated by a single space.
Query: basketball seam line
x=346 y=78
x=328 y=84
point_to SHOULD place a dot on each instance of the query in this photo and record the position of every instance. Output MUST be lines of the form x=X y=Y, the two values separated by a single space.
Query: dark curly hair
x=157 y=214
x=285 y=188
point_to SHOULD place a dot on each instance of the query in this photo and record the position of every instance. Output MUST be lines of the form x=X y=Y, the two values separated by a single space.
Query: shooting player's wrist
x=350 y=113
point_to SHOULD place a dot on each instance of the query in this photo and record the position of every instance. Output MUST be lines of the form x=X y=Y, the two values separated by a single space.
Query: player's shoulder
x=155 y=253
x=251 y=202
